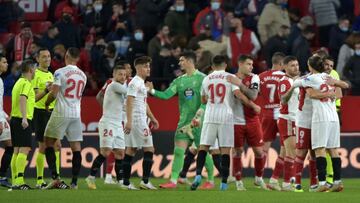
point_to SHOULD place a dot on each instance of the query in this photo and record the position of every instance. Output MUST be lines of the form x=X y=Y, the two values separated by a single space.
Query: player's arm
x=129 y=112
x=100 y=97
x=167 y=94
x=246 y=101
x=317 y=94
x=119 y=88
x=337 y=83
x=23 y=99
x=251 y=92
x=285 y=91
x=152 y=117
x=52 y=95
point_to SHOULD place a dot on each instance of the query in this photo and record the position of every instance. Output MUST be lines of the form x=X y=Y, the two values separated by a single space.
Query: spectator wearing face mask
x=212 y=16
x=161 y=39
x=57 y=60
x=346 y=51
x=338 y=35
x=178 y=19
x=250 y=10
x=137 y=46
x=72 y=4
x=119 y=14
x=50 y=38
x=352 y=71
x=96 y=18
x=69 y=32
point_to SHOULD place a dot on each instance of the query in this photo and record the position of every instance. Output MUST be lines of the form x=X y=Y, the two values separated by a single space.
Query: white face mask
x=357 y=52
x=179 y=8
x=76 y=2
x=98 y=7
x=215 y=5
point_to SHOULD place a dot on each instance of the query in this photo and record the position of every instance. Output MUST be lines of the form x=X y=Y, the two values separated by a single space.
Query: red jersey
x=269 y=83
x=288 y=110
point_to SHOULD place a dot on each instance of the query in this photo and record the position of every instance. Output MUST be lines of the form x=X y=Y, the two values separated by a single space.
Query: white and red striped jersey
x=305 y=109
x=244 y=114
x=107 y=83
x=72 y=82
x=138 y=90
x=220 y=98
x=288 y=110
x=269 y=83
x=114 y=98
x=323 y=109
x=2 y=112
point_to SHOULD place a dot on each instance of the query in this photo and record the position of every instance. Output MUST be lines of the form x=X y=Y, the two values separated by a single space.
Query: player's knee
x=258 y=152
x=148 y=156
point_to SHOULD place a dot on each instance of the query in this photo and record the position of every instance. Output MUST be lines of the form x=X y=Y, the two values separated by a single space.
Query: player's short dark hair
x=119 y=67
x=111 y=48
x=2 y=56
x=26 y=65
x=189 y=55
x=142 y=60
x=329 y=58
x=242 y=58
x=219 y=60
x=42 y=49
x=25 y=25
x=322 y=53
x=277 y=58
x=317 y=63
x=74 y=52
x=288 y=59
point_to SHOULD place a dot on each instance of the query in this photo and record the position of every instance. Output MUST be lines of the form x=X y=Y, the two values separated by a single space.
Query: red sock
x=298 y=165
x=289 y=162
x=313 y=172
x=237 y=167
x=279 y=168
x=259 y=166
x=110 y=162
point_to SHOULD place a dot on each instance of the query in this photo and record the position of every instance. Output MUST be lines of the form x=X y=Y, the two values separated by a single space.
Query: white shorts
x=210 y=132
x=6 y=134
x=111 y=134
x=139 y=136
x=58 y=127
x=325 y=134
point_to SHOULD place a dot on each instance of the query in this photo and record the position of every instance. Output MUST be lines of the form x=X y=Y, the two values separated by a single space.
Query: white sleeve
x=298 y=83
x=255 y=82
x=119 y=88
x=256 y=43
x=57 y=78
x=132 y=90
x=203 y=88
x=228 y=49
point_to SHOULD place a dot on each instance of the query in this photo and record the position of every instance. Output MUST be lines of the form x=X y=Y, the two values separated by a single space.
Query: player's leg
x=6 y=160
x=226 y=142
x=119 y=157
x=290 y=155
x=188 y=160
x=270 y=129
x=110 y=161
x=329 y=169
x=278 y=170
x=13 y=166
x=40 y=162
x=200 y=162
x=333 y=145
x=146 y=165
x=98 y=161
x=57 y=148
x=216 y=156
x=76 y=162
x=239 y=136
x=129 y=155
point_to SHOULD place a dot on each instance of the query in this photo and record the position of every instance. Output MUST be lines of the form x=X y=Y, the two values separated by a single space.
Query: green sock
x=40 y=160
x=57 y=155
x=209 y=165
x=329 y=169
x=177 y=164
x=20 y=167
x=13 y=168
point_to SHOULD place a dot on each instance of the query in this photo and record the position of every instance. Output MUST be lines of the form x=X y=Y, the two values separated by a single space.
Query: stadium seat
x=5 y=38
x=14 y=27
x=40 y=27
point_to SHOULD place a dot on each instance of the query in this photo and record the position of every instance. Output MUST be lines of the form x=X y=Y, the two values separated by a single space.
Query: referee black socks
x=99 y=160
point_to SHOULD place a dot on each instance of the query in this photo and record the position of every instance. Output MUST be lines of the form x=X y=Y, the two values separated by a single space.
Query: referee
x=22 y=110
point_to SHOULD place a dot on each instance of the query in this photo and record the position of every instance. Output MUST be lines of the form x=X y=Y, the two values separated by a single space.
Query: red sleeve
x=284 y=87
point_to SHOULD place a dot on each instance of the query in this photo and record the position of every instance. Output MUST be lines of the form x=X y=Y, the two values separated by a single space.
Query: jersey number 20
x=79 y=86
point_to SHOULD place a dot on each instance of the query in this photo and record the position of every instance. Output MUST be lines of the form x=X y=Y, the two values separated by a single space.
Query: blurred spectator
x=325 y=17
x=206 y=35
x=352 y=71
x=72 y=5
x=273 y=16
x=294 y=15
x=120 y=37
x=150 y=15
x=171 y=68
x=338 y=35
x=203 y=59
x=250 y=10
x=277 y=43
x=50 y=38
x=11 y=78
x=178 y=20
x=158 y=65
x=212 y=16
x=161 y=39
x=227 y=22
x=84 y=62
x=103 y=60
x=301 y=48
x=137 y=46
x=9 y=11
x=18 y=48
x=57 y=60
x=241 y=41
x=295 y=30
x=119 y=15
x=95 y=18
x=2 y=50
x=346 y=51
x=34 y=48
x=69 y=32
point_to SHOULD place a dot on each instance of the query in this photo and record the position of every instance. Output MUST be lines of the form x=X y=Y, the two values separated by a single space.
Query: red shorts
x=286 y=129
x=303 y=138
x=270 y=129
x=252 y=132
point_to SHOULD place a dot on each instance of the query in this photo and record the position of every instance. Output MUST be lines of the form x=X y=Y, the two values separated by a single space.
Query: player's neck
x=141 y=77
x=276 y=68
x=190 y=71
x=240 y=75
x=26 y=76
x=43 y=69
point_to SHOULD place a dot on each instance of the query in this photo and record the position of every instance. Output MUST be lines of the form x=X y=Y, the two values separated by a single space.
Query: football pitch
x=112 y=193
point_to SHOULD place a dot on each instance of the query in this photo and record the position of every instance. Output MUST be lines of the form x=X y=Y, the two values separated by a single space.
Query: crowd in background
x=109 y=31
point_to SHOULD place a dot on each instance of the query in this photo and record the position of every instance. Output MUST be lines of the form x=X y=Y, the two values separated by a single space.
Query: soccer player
x=41 y=83
x=325 y=128
x=111 y=133
x=138 y=134
x=67 y=88
x=22 y=110
x=5 y=136
x=247 y=123
x=218 y=94
x=187 y=87
x=286 y=123
x=269 y=82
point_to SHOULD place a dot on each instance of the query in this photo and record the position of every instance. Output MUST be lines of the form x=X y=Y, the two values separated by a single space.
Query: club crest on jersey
x=188 y=93
x=57 y=75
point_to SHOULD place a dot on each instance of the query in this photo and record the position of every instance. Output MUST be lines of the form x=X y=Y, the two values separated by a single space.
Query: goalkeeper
x=187 y=87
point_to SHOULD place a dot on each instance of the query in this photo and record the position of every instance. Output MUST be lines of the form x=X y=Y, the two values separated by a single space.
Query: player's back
x=269 y=82
x=138 y=90
x=114 y=98
x=220 y=98
x=72 y=82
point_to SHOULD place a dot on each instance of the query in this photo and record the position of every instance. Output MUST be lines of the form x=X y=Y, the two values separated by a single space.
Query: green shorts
x=184 y=137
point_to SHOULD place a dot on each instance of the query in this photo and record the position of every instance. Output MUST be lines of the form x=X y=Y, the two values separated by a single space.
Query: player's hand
x=195 y=122
x=47 y=107
x=24 y=123
x=127 y=128
x=330 y=81
x=48 y=86
x=149 y=86
x=257 y=109
x=233 y=80
x=155 y=124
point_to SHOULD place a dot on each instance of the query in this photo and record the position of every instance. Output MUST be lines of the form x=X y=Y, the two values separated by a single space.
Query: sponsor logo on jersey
x=189 y=93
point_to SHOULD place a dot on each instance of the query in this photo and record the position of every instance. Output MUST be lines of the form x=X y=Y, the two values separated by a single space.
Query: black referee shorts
x=20 y=137
x=41 y=118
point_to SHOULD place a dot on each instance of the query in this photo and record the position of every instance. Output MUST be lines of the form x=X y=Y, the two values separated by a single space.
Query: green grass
x=112 y=193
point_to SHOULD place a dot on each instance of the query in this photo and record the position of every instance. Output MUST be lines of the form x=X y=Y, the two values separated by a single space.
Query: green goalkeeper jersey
x=188 y=88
